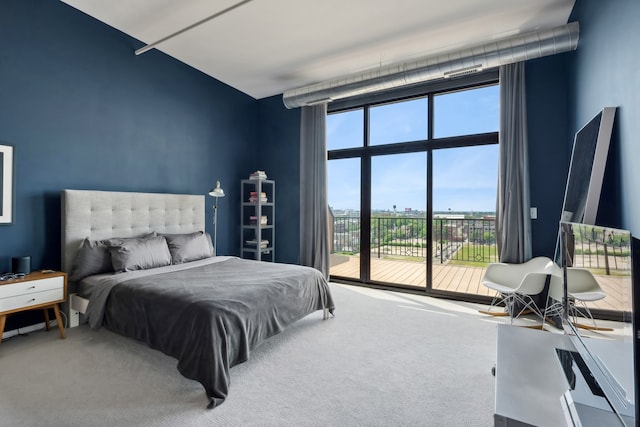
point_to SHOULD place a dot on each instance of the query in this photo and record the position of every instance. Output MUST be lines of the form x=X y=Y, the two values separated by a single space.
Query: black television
x=586 y=169
x=602 y=373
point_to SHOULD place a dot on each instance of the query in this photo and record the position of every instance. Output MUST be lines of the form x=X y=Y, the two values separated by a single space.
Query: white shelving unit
x=257 y=216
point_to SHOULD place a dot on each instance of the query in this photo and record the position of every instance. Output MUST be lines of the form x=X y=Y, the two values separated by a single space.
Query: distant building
x=448 y=216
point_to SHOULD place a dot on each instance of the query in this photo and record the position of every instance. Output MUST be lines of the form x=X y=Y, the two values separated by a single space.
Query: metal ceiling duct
x=452 y=64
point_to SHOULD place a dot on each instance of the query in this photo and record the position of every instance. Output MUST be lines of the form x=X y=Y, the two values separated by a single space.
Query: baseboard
x=27 y=329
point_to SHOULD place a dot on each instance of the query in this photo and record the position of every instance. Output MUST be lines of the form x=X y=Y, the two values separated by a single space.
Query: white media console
x=532 y=388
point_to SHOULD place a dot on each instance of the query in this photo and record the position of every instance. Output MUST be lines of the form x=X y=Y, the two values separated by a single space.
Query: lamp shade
x=217 y=191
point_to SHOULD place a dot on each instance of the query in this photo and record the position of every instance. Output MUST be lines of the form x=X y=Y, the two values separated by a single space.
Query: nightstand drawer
x=31 y=286
x=31 y=299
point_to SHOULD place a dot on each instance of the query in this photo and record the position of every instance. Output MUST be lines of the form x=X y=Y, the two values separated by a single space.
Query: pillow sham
x=138 y=253
x=93 y=257
x=189 y=247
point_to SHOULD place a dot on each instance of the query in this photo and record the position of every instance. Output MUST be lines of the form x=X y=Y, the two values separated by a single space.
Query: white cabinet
x=257 y=213
x=532 y=388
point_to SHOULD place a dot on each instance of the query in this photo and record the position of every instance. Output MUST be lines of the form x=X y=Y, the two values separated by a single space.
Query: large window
x=412 y=189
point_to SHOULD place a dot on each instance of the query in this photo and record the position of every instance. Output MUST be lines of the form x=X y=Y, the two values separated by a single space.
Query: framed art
x=6 y=184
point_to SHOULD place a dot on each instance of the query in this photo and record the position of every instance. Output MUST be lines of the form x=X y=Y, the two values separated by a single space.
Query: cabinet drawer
x=31 y=286
x=28 y=300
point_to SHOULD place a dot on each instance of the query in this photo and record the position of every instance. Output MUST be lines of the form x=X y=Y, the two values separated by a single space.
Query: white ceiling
x=265 y=47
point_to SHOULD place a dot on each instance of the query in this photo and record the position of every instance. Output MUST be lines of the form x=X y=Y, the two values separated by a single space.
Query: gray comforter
x=210 y=316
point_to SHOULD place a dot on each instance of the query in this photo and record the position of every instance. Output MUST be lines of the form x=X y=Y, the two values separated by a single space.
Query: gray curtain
x=314 y=239
x=513 y=224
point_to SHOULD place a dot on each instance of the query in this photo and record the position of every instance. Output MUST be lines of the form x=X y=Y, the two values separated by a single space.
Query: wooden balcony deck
x=461 y=279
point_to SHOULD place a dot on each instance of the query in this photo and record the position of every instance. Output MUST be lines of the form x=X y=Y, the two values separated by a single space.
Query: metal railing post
x=441 y=240
x=379 y=237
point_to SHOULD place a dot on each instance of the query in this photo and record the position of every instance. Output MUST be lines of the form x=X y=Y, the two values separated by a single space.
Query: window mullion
x=365 y=204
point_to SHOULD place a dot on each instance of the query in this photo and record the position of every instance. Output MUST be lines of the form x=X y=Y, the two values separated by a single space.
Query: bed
x=208 y=312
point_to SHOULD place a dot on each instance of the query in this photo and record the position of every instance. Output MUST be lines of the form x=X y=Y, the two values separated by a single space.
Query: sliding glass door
x=344 y=132
x=344 y=217
x=464 y=201
x=399 y=219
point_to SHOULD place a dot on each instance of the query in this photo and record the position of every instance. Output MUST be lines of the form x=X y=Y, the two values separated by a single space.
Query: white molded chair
x=581 y=287
x=553 y=307
x=517 y=284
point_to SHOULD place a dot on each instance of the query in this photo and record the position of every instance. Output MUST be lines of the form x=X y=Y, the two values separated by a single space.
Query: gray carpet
x=386 y=359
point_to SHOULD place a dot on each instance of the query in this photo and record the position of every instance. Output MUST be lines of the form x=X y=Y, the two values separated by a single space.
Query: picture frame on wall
x=6 y=184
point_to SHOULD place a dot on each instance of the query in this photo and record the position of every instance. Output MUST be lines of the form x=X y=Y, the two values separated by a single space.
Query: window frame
x=366 y=152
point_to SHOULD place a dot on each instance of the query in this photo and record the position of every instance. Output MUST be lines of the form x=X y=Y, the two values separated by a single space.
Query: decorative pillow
x=189 y=247
x=138 y=253
x=93 y=257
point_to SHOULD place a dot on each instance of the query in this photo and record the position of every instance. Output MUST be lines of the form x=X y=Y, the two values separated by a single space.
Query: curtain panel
x=314 y=238
x=513 y=223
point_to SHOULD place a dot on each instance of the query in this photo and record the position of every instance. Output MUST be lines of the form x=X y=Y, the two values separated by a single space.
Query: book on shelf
x=263 y=243
x=253 y=220
x=258 y=175
x=253 y=197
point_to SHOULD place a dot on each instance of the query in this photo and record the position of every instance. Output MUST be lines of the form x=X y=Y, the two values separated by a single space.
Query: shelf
x=258 y=204
x=255 y=181
x=257 y=209
x=268 y=249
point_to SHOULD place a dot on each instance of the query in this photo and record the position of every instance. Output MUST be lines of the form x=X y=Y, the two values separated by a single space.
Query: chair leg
x=527 y=304
x=497 y=299
x=587 y=315
x=552 y=314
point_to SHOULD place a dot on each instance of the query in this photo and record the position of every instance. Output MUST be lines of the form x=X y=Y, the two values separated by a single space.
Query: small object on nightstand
x=11 y=276
x=21 y=264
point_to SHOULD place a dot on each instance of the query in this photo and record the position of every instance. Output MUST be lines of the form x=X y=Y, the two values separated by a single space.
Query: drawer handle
x=31 y=287
x=32 y=300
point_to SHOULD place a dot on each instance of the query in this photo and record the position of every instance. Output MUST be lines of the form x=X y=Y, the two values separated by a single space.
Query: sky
x=465 y=179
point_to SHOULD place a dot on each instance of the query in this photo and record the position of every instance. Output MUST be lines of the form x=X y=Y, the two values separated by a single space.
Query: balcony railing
x=468 y=241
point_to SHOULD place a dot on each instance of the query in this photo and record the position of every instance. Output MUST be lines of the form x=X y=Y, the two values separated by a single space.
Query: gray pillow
x=189 y=247
x=138 y=253
x=93 y=257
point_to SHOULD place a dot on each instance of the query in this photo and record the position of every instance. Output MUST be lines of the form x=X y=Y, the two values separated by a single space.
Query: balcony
x=461 y=250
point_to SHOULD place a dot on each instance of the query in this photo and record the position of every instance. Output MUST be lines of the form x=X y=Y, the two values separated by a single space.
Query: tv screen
x=598 y=268
x=586 y=170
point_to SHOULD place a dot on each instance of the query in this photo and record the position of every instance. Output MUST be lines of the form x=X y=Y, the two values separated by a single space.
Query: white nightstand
x=37 y=290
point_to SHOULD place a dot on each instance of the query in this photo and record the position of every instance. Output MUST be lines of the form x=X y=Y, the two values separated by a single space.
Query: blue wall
x=549 y=148
x=84 y=112
x=279 y=155
x=563 y=93
x=604 y=73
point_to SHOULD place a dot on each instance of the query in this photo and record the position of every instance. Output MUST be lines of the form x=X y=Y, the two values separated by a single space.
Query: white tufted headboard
x=103 y=214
